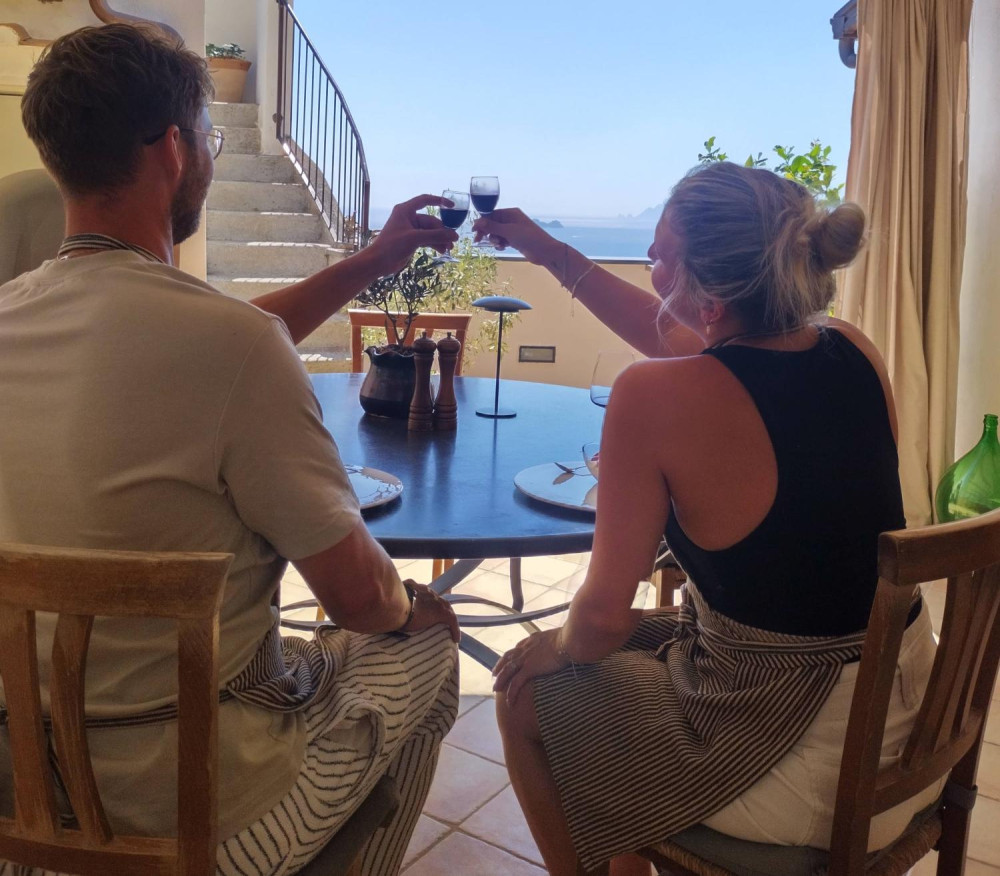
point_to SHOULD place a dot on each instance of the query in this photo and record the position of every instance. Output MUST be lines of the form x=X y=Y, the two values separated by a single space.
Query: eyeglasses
x=215 y=139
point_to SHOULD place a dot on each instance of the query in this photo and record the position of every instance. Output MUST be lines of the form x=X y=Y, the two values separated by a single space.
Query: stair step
x=258 y=197
x=332 y=339
x=241 y=141
x=234 y=167
x=248 y=288
x=288 y=227
x=260 y=258
x=240 y=115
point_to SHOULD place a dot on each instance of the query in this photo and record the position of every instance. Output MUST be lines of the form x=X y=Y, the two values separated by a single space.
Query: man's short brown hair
x=98 y=92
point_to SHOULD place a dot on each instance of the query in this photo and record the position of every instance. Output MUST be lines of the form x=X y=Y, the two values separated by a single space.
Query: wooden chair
x=79 y=585
x=946 y=738
x=456 y=323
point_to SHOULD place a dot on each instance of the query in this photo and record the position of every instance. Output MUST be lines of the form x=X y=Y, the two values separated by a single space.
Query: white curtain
x=907 y=168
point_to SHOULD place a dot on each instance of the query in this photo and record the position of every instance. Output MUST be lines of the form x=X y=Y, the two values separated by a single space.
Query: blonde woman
x=760 y=438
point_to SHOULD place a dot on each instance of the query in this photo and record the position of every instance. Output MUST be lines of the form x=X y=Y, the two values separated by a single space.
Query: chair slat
x=185 y=587
x=109 y=583
x=66 y=693
x=445 y=322
x=34 y=791
x=197 y=826
x=866 y=728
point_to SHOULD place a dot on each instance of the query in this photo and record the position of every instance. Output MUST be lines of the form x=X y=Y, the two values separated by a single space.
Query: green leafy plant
x=811 y=168
x=400 y=295
x=456 y=286
x=226 y=50
x=473 y=276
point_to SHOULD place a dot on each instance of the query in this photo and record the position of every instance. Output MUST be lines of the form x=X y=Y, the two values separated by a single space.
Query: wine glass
x=453 y=217
x=610 y=363
x=485 y=192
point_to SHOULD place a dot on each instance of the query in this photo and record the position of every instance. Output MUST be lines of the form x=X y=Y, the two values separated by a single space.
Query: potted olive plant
x=228 y=66
x=388 y=386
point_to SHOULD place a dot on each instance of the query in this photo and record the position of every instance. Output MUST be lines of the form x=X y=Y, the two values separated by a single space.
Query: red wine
x=485 y=203
x=453 y=218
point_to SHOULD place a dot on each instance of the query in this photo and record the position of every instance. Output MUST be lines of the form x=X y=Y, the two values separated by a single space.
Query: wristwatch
x=411 y=594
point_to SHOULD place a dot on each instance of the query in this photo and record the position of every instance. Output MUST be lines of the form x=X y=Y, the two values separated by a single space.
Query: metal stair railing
x=318 y=133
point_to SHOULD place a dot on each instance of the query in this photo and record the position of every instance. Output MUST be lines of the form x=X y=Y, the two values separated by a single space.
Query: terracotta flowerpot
x=230 y=77
x=388 y=386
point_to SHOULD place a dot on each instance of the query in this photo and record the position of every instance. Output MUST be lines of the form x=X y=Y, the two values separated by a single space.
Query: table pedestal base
x=443 y=585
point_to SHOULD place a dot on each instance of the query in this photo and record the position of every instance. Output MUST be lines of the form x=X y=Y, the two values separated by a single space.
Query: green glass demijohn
x=972 y=485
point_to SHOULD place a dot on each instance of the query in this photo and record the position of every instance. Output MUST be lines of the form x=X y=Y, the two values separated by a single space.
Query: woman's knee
x=518 y=719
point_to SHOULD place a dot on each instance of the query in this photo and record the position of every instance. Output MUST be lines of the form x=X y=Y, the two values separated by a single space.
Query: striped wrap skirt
x=692 y=711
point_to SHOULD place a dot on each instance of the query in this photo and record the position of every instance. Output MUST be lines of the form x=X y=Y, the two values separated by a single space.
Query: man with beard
x=144 y=410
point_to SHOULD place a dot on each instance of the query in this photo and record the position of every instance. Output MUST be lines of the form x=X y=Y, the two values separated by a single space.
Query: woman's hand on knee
x=536 y=655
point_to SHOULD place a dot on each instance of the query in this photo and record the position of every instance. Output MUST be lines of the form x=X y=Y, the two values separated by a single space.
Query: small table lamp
x=499 y=304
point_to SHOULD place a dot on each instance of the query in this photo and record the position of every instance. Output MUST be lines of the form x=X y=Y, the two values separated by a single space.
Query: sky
x=586 y=108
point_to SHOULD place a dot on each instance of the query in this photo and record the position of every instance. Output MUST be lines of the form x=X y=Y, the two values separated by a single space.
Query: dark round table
x=459 y=498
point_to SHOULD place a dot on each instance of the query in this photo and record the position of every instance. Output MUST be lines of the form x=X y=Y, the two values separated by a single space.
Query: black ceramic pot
x=388 y=386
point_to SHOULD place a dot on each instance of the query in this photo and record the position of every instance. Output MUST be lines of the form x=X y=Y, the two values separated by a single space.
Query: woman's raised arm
x=629 y=311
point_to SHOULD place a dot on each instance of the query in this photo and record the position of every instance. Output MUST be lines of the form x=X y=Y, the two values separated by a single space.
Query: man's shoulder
x=164 y=286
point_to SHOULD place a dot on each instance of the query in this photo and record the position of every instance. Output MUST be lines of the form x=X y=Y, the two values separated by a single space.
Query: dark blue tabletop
x=459 y=498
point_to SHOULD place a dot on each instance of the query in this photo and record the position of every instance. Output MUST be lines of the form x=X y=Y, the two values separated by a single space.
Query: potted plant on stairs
x=388 y=385
x=228 y=67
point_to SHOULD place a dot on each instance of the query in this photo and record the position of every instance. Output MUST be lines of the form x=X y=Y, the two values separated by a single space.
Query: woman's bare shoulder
x=664 y=388
x=858 y=338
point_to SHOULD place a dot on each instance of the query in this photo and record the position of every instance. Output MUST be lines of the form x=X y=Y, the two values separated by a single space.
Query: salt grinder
x=421 y=417
x=446 y=407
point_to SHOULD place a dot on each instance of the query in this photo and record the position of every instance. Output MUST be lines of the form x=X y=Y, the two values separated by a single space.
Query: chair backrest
x=78 y=585
x=948 y=732
x=31 y=222
x=456 y=323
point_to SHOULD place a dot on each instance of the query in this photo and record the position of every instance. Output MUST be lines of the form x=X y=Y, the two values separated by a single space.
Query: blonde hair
x=759 y=244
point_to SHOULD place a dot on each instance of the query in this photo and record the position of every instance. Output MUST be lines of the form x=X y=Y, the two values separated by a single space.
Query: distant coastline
x=626 y=237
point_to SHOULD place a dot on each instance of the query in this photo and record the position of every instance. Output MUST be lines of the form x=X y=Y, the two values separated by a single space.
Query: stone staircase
x=264 y=230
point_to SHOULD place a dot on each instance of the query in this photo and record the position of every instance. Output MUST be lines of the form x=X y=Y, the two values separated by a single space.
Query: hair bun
x=838 y=236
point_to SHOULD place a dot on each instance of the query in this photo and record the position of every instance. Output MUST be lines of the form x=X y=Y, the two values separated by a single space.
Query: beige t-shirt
x=144 y=410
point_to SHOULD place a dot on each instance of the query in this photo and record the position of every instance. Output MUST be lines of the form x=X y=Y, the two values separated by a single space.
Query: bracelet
x=579 y=280
x=562 y=652
x=411 y=594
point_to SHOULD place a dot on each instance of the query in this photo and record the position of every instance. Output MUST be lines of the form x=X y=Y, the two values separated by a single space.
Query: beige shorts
x=793 y=803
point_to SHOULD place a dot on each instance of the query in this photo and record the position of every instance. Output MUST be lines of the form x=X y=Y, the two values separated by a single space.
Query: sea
x=606 y=241
x=595 y=238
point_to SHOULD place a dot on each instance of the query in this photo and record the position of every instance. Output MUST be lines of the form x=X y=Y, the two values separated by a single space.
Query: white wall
x=979 y=354
x=555 y=320
x=50 y=20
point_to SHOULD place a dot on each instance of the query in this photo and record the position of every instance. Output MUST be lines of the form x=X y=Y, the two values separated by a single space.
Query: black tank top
x=809 y=568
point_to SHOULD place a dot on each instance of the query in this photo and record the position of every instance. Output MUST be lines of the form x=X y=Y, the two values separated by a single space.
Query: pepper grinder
x=421 y=419
x=446 y=407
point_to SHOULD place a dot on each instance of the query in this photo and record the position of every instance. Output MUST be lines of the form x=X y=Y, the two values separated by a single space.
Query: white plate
x=549 y=483
x=373 y=487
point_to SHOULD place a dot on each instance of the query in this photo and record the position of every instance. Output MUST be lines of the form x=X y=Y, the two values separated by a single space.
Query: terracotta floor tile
x=466 y=702
x=547 y=570
x=993 y=725
x=496 y=586
x=474 y=679
x=425 y=834
x=984 y=840
x=988 y=777
x=463 y=782
x=927 y=866
x=502 y=638
x=502 y=823
x=467 y=856
x=477 y=732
